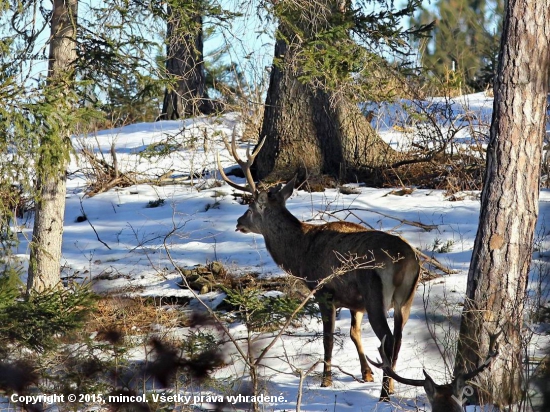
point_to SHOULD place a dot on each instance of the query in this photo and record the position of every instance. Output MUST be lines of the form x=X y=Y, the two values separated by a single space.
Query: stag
x=313 y=252
x=443 y=398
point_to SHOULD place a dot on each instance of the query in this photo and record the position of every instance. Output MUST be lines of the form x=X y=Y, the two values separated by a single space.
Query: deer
x=312 y=252
x=443 y=398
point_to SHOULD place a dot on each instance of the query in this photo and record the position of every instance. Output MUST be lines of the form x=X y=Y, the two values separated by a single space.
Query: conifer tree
x=186 y=94
x=312 y=122
x=41 y=113
x=54 y=148
x=465 y=40
x=503 y=249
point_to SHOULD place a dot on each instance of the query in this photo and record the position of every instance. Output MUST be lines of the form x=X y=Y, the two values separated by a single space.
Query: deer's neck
x=285 y=240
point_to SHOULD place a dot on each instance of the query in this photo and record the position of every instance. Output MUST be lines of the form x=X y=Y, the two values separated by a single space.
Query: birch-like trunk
x=45 y=256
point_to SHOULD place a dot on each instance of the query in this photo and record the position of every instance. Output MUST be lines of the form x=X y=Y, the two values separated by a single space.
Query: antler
x=493 y=352
x=245 y=165
x=386 y=366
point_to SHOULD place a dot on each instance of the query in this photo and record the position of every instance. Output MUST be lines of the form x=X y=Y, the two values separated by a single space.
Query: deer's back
x=345 y=238
x=372 y=252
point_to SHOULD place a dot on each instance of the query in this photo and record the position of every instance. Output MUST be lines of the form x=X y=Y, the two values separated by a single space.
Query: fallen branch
x=106 y=176
x=348 y=374
x=332 y=214
x=433 y=261
x=427 y=228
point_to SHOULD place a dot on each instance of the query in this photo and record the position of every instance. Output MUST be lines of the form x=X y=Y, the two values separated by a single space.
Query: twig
x=92 y=226
x=431 y=260
x=348 y=374
x=301 y=383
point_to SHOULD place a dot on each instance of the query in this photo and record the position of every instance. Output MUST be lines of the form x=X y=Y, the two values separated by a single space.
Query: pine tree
x=502 y=254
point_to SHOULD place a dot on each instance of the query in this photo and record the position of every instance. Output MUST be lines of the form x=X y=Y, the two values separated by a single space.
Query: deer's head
x=443 y=398
x=264 y=202
x=263 y=205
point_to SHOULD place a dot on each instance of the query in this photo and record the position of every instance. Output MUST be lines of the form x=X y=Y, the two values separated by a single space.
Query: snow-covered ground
x=125 y=239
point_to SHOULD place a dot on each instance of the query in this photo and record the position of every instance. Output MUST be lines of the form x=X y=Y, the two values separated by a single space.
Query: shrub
x=38 y=322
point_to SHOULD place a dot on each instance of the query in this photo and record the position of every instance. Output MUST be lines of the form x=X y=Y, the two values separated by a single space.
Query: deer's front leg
x=328 y=313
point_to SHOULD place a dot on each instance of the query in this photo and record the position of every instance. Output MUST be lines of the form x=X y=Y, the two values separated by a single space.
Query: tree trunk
x=311 y=131
x=45 y=255
x=45 y=260
x=502 y=253
x=185 y=64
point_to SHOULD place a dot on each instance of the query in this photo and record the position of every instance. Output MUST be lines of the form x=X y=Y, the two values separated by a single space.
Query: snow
x=195 y=225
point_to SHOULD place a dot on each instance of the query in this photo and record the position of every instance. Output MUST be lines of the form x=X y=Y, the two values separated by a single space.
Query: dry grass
x=135 y=315
x=132 y=315
x=450 y=175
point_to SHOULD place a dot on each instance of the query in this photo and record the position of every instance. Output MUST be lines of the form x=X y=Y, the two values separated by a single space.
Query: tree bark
x=45 y=255
x=310 y=131
x=185 y=65
x=502 y=253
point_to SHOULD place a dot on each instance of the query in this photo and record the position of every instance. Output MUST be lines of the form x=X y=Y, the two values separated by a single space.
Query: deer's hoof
x=367 y=377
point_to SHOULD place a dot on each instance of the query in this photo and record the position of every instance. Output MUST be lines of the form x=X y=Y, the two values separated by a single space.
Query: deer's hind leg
x=377 y=319
x=400 y=317
x=355 y=334
x=402 y=311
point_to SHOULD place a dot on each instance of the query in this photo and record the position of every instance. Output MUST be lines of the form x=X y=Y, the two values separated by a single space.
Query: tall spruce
x=186 y=95
x=312 y=122
x=465 y=40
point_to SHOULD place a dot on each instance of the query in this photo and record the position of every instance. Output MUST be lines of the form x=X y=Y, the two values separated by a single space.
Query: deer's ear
x=429 y=385
x=458 y=385
x=287 y=189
